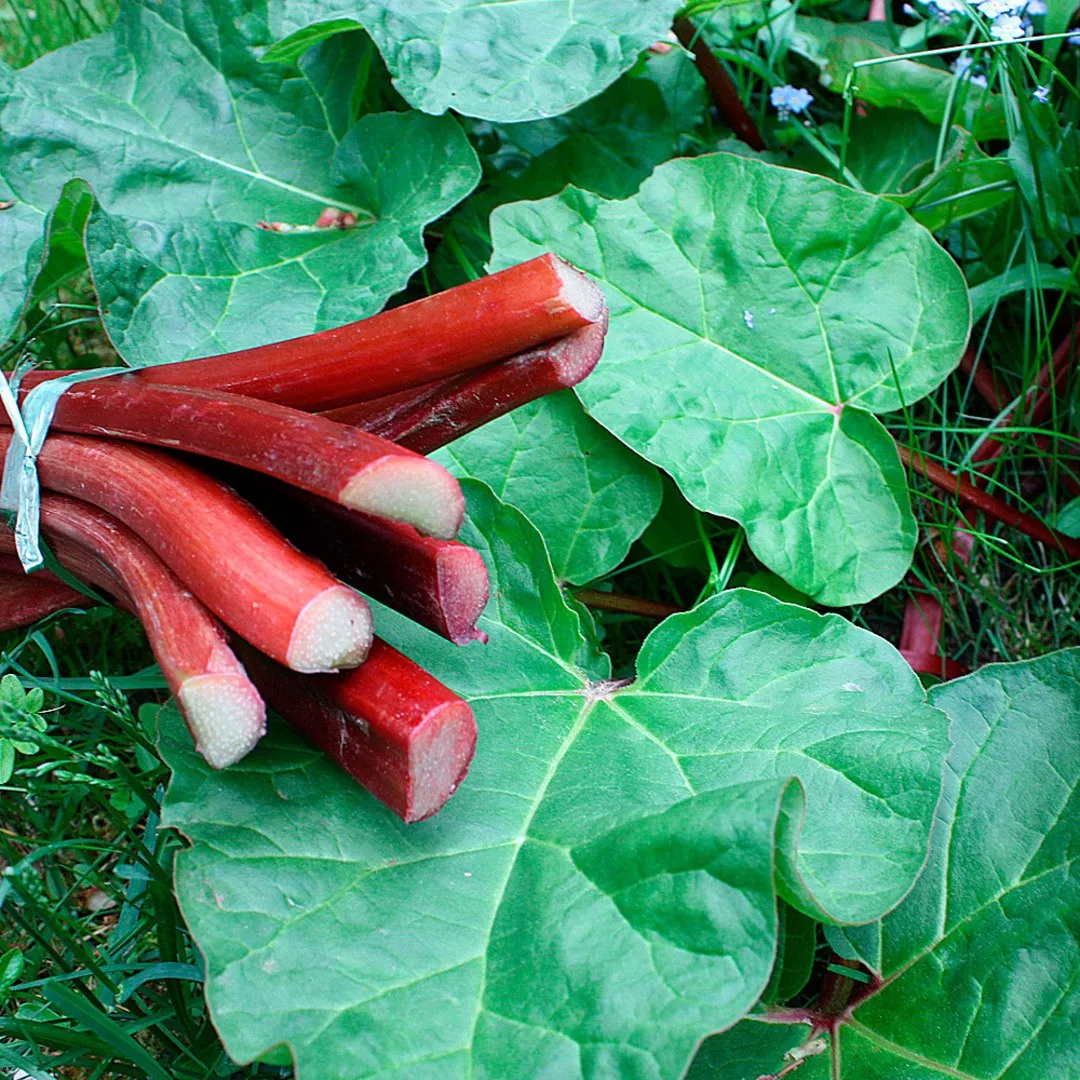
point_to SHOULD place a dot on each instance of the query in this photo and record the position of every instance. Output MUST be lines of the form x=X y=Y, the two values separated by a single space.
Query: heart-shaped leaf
x=189 y=140
x=759 y=315
x=598 y=895
x=504 y=61
x=980 y=964
x=589 y=496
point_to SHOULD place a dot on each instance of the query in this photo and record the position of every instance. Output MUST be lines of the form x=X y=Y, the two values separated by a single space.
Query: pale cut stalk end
x=441 y=754
x=577 y=354
x=580 y=293
x=333 y=632
x=225 y=714
x=464 y=591
x=411 y=489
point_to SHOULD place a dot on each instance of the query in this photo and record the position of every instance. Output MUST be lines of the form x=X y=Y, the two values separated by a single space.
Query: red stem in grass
x=1038 y=401
x=988 y=504
x=227 y=553
x=434 y=415
x=25 y=599
x=630 y=605
x=333 y=460
x=441 y=584
x=389 y=724
x=453 y=331
x=920 y=639
x=722 y=89
x=982 y=378
x=222 y=708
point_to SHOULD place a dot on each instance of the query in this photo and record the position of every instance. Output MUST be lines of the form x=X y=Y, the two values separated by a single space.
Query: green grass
x=98 y=976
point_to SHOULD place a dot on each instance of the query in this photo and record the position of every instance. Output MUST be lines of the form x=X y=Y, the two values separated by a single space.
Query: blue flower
x=1008 y=28
x=946 y=8
x=963 y=66
x=790 y=99
x=1041 y=94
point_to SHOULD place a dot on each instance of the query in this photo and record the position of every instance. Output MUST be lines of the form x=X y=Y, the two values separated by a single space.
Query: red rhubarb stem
x=389 y=724
x=224 y=550
x=24 y=599
x=724 y=95
x=466 y=327
x=221 y=706
x=441 y=584
x=629 y=605
x=988 y=504
x=433 y=416
x=334 y=460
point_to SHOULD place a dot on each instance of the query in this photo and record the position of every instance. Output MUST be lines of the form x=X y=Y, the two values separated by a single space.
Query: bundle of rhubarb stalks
x=235 y=504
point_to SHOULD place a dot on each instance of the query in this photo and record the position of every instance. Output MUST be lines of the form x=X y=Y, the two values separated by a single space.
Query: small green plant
x=20 y=721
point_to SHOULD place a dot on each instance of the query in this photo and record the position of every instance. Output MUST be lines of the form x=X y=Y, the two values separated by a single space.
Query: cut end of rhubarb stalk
x=442 y=751
x=225 y=715
x=411 y=489
x=332 y=632
x=579 y=292
x=575 y=356
x=464 y=591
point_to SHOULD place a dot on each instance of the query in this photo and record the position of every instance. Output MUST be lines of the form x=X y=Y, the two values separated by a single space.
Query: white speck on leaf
x=748 y=318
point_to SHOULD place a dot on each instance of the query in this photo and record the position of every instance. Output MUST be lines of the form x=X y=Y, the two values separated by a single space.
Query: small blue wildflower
x=945 y=8
x=1035 y=7
x=1008 y=28
x=1073 y=39
x=962 y=68
x=748 y=318
x=994 y=9
x=1041 y=94
x=790 y=99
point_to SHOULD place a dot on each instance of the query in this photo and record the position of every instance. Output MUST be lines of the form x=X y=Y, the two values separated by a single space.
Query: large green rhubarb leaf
x=759 y=316
x=599 y=894
x=510 y=61
x=189 y=140
x=589 y=496
x=981 y=962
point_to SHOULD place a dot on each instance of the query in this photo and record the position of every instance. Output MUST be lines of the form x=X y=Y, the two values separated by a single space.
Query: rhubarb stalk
x=389 y=724
x=466 y=327
x=989 y=504
x=441 y=584
x=225 y=551
x=222 y=708
x=25 y=598
x=435 y=415
x=334 y=460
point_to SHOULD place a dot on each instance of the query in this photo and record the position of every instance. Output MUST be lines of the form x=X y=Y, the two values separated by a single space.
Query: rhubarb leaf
x=980 y=963
x=749 y=348
x=589 y=495
x=608 y=145
x=598 y=895
x=189 y=140
x=505 y=61
x=202 y=287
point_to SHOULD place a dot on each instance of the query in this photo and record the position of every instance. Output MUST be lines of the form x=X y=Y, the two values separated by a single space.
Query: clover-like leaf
x=509 y=61
x=589 y=495
x=759 y=316
x=978 y=968
x=189 y=140
x=598 y=895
